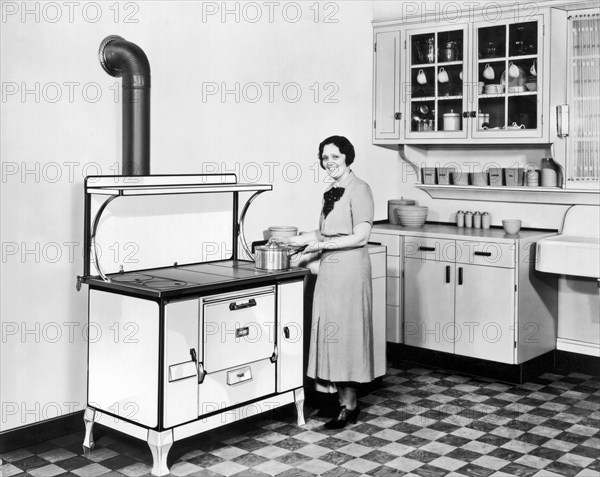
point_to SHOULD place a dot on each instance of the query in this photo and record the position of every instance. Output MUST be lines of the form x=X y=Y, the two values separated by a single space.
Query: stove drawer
x=238 y=328
x=237 y=385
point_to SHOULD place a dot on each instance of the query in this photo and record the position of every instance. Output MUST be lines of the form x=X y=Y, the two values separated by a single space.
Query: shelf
x=535 y=195
x=168 y=184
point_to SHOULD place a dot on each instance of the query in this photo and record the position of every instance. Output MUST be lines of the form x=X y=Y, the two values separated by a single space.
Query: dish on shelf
x=531 y=86
x=516 y=89
x=514 y=81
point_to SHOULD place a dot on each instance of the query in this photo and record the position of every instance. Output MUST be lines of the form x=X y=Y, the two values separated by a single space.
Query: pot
x=449 y=52
x=275 y=256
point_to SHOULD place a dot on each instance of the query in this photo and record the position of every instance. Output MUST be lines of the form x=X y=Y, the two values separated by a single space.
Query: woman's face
x=334 y=161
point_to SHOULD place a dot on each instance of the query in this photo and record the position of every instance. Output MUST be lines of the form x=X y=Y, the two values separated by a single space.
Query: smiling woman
x=341 y=346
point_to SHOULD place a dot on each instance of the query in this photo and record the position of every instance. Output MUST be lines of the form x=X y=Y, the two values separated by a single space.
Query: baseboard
x=577 y=363
x=509 y=373
x=41 y=431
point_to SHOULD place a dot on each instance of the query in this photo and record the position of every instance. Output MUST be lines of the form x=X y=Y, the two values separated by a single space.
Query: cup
x=421 y=78
x=513 y=70
x=532 y=70
x=488 y=72
x=442 y=76
x=460 y=75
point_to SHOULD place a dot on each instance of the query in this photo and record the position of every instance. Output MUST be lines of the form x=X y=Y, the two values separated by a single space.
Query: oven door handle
x=274 y=355
x=201 y=373
x=235 y=306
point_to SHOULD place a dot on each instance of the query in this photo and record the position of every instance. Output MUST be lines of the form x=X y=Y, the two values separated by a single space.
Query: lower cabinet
x=476 y=299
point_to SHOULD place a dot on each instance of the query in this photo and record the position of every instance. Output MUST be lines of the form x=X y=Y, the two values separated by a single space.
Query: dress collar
x=345 y=181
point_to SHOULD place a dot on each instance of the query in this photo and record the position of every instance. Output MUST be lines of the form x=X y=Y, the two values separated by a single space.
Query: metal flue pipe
x=121 y=58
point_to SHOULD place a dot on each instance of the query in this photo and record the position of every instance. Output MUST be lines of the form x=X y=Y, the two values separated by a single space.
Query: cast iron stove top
x=189 y=279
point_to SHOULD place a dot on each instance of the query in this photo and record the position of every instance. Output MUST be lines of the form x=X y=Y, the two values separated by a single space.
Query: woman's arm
x=359 y=237
x=305 y=238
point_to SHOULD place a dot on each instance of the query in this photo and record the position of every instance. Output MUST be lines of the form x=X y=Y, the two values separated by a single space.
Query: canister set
x=476 y=220
x=546 y=176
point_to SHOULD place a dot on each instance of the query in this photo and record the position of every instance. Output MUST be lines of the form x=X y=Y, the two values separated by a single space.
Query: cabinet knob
x=398 y=116
x=473 y=114
x=465 y=114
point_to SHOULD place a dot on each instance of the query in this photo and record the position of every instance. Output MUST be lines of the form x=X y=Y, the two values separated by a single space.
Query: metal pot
x=449 y=52
x=274 y=256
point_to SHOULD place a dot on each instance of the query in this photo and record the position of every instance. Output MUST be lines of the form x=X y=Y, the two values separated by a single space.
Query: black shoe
x=343 y=418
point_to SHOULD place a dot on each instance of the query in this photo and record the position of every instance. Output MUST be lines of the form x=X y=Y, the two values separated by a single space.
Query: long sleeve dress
x=341 y=345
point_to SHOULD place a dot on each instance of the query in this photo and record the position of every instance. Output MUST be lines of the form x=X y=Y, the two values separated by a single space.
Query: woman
x=341 y=346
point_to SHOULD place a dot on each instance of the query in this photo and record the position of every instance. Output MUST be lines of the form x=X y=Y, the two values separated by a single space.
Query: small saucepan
x=274 y=255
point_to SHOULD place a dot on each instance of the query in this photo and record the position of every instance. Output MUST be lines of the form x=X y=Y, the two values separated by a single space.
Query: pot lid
x=451 y=114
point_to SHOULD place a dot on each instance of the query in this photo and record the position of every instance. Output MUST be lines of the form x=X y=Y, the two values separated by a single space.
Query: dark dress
x=341 y=345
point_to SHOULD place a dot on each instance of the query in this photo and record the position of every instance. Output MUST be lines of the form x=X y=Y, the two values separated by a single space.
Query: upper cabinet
x=482 y=81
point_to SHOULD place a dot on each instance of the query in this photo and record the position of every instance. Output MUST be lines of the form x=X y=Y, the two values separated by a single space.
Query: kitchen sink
x=576 y=250
x=569 y=255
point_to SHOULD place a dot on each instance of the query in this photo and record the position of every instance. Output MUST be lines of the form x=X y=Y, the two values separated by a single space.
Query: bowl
x=393 y=204
x=531 y=86
x=412 y=215
x=279 y=231
x=511 y=226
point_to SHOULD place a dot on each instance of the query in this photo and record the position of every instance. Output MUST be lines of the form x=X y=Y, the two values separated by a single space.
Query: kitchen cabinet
x=576 y=96
x=386 y=78
x=393 y=285
x=473 y=292
x=478 y=81
x=377 y=255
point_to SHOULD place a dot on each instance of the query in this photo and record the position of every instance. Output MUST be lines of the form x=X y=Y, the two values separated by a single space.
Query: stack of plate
x=412 y=215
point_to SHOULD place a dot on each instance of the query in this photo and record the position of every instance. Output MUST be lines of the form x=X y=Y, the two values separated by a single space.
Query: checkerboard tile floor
x=417 y=422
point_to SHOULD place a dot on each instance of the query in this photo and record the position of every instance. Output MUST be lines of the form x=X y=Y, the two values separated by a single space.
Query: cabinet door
x=508 y=79
x=485 y=312
x=290 y=316
x=181 y=362
x=429 y=304
x=386 y=80
x=436 y=80
x=379 y=326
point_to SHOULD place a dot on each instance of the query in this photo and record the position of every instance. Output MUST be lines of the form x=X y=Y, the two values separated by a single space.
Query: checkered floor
x=418 y=422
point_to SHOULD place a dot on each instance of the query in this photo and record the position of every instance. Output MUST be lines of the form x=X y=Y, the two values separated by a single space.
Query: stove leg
x=160 y=443
x=299 y=399
x=88 y=419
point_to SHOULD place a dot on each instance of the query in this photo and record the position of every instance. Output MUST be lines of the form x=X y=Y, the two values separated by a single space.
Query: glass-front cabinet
x=481 y=80
x=508 y=79
x=435 y=93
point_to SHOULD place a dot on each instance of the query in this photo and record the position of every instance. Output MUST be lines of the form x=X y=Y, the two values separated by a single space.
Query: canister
x=477 y=220
x=486 y=220
x=468 y=219
x=451 y=121
x=460 y=219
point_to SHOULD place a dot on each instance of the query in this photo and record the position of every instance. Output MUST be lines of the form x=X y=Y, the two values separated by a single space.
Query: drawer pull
x=239 y=375
x=426 y=249
x=240 y=332
x=286 y=332
x=447 y=273
x=484 y=254
x=235 y=306
x=460 y=275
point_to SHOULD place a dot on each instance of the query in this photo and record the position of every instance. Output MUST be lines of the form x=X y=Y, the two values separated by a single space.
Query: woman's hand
x=313 y=246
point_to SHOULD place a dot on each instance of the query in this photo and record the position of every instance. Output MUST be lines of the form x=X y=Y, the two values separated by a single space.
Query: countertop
x=452 y=232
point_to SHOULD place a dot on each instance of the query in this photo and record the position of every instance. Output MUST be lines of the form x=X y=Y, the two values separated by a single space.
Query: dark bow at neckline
x=330 y=197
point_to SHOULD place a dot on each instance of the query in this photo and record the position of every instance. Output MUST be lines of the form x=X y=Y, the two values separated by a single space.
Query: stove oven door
x=239 y=352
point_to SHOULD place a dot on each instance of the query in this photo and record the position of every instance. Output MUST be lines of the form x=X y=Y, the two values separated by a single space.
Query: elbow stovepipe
x=122 y=58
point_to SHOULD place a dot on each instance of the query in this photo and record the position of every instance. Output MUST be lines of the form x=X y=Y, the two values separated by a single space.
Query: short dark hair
x=342 y=144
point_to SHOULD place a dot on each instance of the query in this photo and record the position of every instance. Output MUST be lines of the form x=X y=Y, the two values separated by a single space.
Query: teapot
x=516 y=126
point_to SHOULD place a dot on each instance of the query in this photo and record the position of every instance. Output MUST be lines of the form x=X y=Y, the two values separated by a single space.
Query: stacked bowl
x=412 y=215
